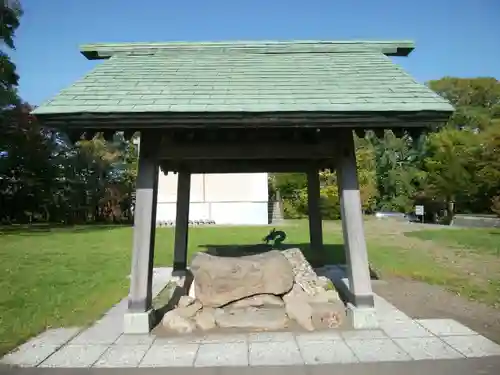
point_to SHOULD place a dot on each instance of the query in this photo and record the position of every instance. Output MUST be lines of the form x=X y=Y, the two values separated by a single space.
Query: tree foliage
x=455 y=168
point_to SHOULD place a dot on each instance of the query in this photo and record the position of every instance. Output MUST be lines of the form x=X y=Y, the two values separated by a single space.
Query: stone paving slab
x=404 y=329
x=377 y=350
x=473 y=346
x=274 y=354
x=270 y=336
x=399 y=338
x=122 y=356
x=445 y=327
x=182 y=355
x=75 y=356
x=30 y=356
x=319 y=352
x=427 y=348
x=227 y=354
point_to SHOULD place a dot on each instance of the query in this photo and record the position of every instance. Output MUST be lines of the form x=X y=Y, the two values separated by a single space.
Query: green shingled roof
x=246 y=77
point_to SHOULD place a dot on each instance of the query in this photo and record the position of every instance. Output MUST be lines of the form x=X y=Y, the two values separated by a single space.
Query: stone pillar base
x=182 y=272
x=362 y=317
x=138 y=322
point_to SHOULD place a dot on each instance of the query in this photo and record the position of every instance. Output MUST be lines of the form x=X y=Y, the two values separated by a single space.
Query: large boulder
x=190 y=310
x=221 y=280
x=265 y=318
x=258 y=300
x=298 y=308
x=327 y=314
x=205 y=318
x=175 y=322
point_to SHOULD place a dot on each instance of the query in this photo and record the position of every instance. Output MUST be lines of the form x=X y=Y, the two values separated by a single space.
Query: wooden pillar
x=138 y=318
x=314 y=211
x=182 y=223
x=352 y=223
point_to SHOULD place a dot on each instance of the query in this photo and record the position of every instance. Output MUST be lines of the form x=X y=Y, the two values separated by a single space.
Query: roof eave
x=355 y=119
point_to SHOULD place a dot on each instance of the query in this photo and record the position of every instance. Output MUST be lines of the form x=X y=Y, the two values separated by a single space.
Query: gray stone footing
x=362 y=317
x=179 y=272
x=138 y=322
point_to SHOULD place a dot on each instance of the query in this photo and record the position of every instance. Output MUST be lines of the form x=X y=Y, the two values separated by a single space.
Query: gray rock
x=298 y=308
x=205 y=319
x=221 y=280
x=257 y=301
x=271 y=318
x=325 y=296
x=296 y=292
x=185 y=301
x=173 y=321
x=303 y=272
x=328 y=315
x=189 y=311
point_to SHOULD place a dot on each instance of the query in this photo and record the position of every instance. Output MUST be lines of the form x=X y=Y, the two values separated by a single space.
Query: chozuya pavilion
x=245 y=107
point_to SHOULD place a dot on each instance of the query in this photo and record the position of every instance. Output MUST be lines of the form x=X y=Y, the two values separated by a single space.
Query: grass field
x=478 y=240
x=69 y=276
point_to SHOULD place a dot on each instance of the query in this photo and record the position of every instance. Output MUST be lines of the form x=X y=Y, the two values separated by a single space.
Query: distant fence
x=476 y=221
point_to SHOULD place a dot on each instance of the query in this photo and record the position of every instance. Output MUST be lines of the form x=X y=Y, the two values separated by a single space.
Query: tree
x=398 y=172
x=469 y=143
x=10 y=12
x=477 y=100
x=450 y=164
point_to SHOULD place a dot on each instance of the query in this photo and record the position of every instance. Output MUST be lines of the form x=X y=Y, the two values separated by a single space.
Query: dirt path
x=421 y=300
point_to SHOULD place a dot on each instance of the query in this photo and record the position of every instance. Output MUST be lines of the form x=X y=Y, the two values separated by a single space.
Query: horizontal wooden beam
x=246 y=166
x=246 y=150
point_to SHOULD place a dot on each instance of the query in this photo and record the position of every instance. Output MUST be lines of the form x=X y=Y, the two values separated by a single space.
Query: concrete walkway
x=399 y=338
x=483 y=366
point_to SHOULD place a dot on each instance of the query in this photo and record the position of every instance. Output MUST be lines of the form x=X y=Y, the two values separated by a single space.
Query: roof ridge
x=389 y=48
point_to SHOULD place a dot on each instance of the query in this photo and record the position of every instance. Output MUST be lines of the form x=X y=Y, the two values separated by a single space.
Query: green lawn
x=69 y=276
x=64 y=277
x=479 y=240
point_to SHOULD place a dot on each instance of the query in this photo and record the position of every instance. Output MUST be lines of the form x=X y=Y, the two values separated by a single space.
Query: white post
x=360 y=289
x=138 y=318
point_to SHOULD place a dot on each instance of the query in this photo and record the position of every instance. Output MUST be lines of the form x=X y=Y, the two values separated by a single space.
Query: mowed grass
x=477 y=240
x=53 y=277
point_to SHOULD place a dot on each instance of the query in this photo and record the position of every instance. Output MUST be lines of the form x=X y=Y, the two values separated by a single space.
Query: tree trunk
x=450 y=205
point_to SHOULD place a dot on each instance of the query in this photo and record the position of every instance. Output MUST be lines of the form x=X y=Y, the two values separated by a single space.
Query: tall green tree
x=477 y=100
x=10 y=13
x=450 y=166
x=398 y=172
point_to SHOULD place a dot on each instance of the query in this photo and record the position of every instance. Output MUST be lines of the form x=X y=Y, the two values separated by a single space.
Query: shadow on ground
x=331 y=254
x=177 y=293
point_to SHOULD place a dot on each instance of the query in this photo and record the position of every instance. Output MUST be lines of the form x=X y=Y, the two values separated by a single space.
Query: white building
x=237 y=198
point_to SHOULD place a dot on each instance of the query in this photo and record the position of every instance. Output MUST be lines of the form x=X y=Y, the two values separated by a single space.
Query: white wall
x=237 y=198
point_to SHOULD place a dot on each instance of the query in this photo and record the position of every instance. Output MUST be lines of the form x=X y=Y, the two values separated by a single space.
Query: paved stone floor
x=399 y=339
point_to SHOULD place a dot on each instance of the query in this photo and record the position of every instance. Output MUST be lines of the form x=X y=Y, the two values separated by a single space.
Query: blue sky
x=453 y=37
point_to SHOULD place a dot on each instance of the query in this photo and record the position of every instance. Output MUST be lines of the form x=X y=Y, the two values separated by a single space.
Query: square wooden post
x=314 y=211
x=182 y=223
x=138 y=318
x=360 y=289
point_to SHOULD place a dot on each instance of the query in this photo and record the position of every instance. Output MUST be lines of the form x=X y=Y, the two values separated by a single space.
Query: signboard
x=419 y=210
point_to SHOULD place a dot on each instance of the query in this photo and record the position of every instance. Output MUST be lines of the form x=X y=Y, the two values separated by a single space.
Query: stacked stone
x=256 y=292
